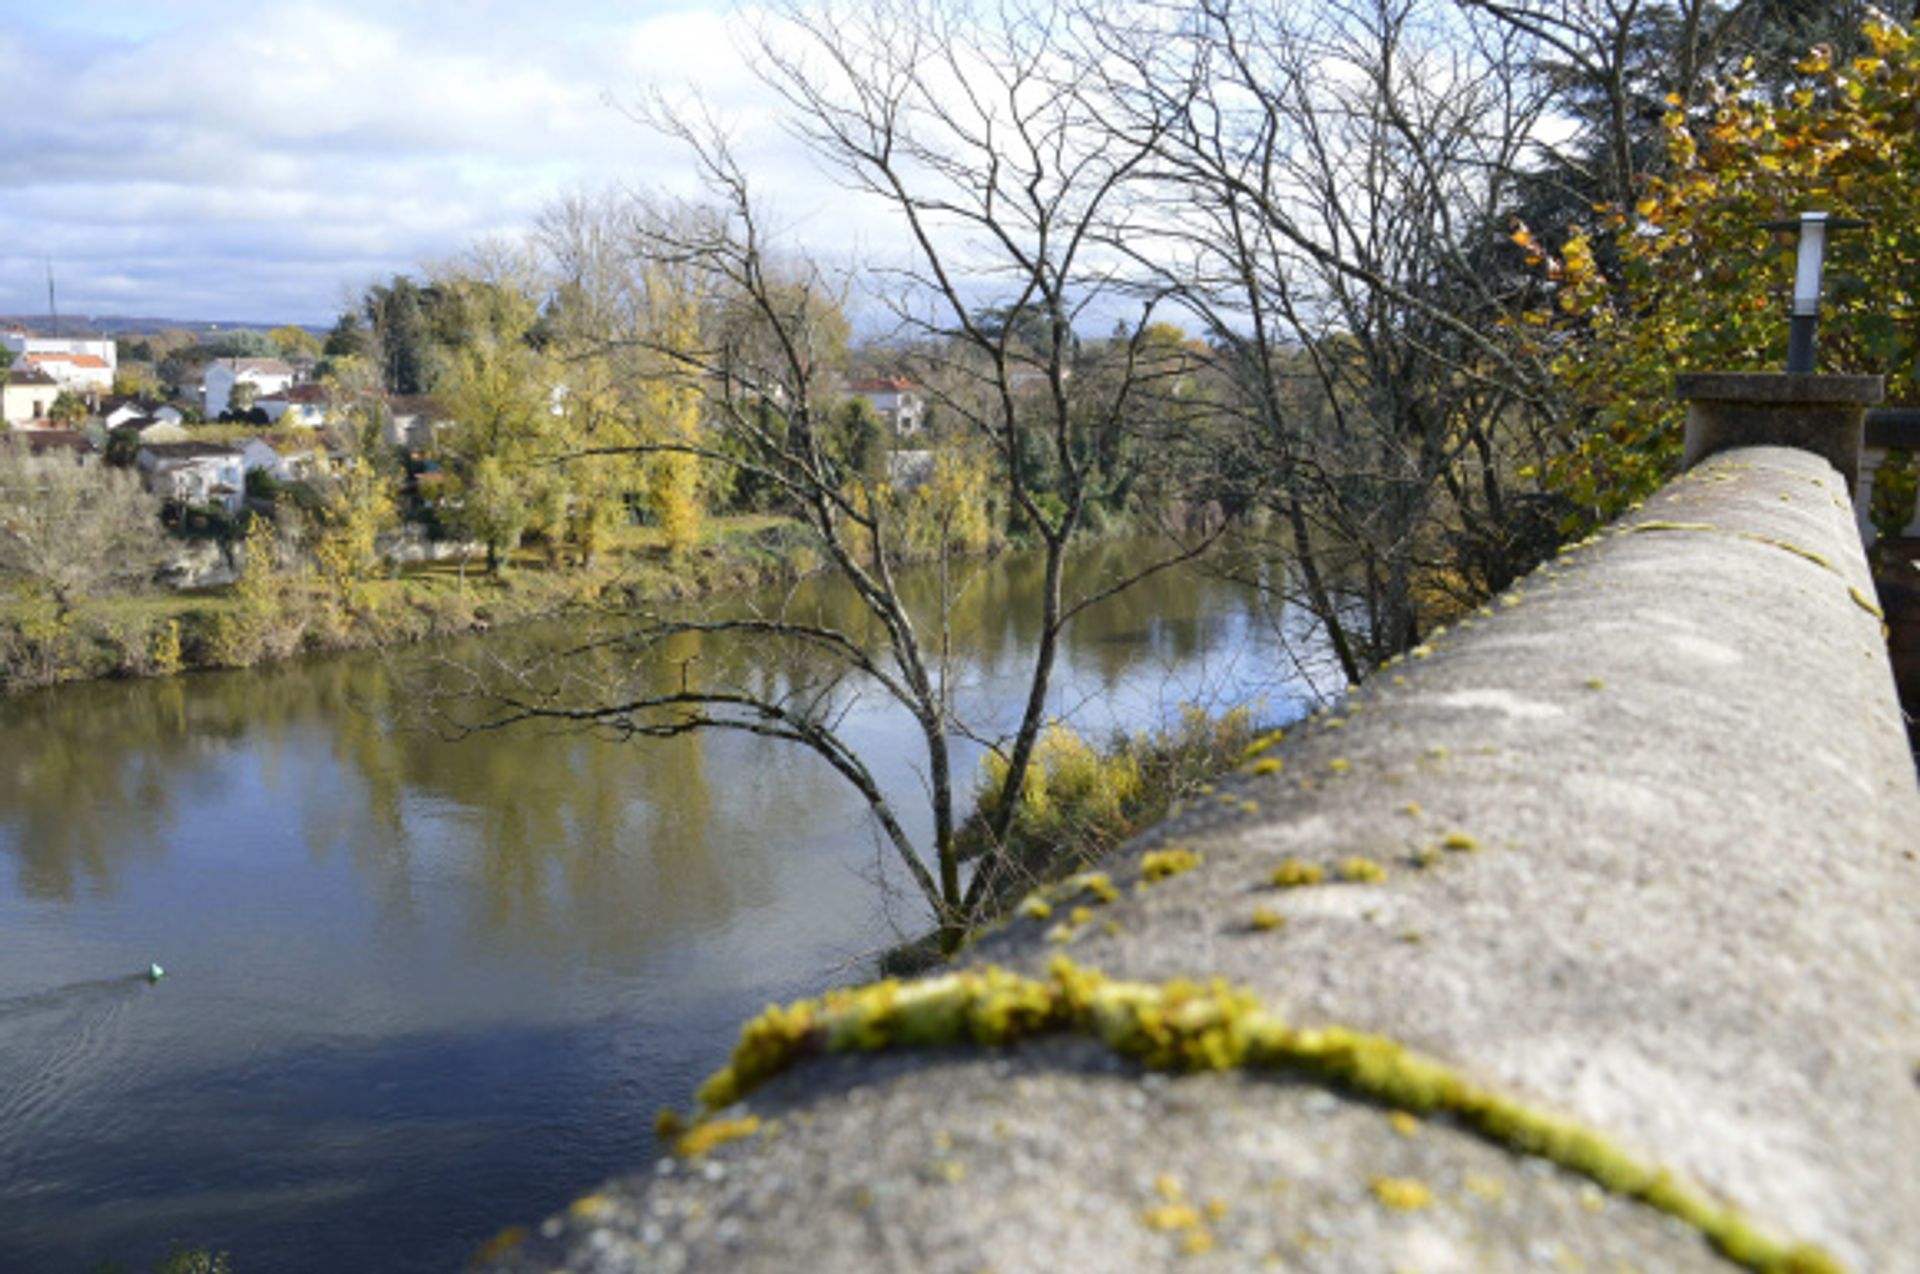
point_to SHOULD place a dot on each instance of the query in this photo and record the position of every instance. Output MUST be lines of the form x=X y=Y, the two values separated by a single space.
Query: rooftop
x=78 y=360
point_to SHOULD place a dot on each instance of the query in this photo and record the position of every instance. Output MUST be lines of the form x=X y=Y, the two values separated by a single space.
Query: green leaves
x=1701 y=286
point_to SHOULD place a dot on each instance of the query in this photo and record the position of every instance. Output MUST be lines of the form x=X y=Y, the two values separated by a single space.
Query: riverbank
x=1082 y=800
x=161 y=633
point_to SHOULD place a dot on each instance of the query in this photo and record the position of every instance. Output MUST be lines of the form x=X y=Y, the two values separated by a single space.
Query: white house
x=123 y=411
x=163 y=426
x=412 y=420
x=23 y=342
x=194 y=473
x=268 y=376
x=27 y=396
x=86 y=374
x=898 y=401
x=303 y=405
x=282 y=458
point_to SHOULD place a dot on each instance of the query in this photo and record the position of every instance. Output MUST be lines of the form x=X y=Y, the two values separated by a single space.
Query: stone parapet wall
x=1625 y=864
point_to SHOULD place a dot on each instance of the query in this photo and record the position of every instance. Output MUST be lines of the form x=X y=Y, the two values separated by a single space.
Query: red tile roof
x=92 y=361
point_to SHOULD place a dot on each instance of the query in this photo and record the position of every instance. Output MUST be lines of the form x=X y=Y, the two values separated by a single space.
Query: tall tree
x=401 y=338
x=952 y=121
x=1324 y=186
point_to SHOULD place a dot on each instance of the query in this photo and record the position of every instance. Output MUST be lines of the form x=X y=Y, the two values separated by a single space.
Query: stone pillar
x=1821 y=414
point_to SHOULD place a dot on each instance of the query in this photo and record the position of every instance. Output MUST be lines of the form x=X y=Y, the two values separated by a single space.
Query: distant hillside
x=118 y=325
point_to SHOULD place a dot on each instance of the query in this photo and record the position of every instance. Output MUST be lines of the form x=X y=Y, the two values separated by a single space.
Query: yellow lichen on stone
x=1197 y=1242
x=1293 y=874
x=1034 y=907
x=590 y=1205
x=1158 y=864
x=1171 y=1216
x=1492 y=1189
x=1262 y=744
x=1096 y=883
x=1402 y=1194
x=1264 y=919
x=1187 y=1026
x=715 y=1133
x=1411 y=809
x=1403 y=1123
x=1460 y=842
x=1266 y=765
x=1339 y=765
x=1362 y=871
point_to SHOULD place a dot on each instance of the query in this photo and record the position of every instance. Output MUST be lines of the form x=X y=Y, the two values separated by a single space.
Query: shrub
x=1077 y=801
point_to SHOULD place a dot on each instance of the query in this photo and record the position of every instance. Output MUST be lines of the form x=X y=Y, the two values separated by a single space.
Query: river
x=419 y=989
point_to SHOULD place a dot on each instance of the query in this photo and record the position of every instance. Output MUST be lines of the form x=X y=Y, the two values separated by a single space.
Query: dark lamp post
x=1804 y=316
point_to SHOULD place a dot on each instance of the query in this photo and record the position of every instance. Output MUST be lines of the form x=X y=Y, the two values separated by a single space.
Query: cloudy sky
x=233 y=160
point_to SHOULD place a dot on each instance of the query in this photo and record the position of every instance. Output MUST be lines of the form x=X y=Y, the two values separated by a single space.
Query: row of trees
x=1402 y=228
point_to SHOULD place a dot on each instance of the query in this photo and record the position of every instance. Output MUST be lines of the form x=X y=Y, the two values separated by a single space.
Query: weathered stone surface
x=1689 y=921
x=1821 y=414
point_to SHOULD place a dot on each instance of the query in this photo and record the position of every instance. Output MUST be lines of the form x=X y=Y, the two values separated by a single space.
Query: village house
x=304 y=406
x=163 y=426
x=219 y=379
x=194 y=473
x=283 y=459
x=412 y=420
x=87 y=375
x=115 y=412
x=23 y=343
x=27 y=397
x=897 y=401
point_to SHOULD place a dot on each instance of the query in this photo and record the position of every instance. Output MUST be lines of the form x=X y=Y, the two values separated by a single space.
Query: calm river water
x=418 y=990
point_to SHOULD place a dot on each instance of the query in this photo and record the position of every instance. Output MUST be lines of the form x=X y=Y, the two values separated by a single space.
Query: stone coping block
x=1778 y=387
x=1821 y=414
x=1642 y=839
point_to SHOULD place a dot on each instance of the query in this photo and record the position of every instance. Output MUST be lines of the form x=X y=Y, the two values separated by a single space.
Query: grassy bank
x=163 y=632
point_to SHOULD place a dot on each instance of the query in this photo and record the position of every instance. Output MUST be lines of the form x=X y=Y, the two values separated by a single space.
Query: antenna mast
x=53 y=310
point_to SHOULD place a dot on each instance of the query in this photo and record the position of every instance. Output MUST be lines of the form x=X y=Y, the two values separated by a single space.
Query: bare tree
x=964 y=126
x=74 y=531
x=1328 y=190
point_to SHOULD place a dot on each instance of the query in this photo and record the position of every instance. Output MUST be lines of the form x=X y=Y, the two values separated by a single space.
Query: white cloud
x=245 y=161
